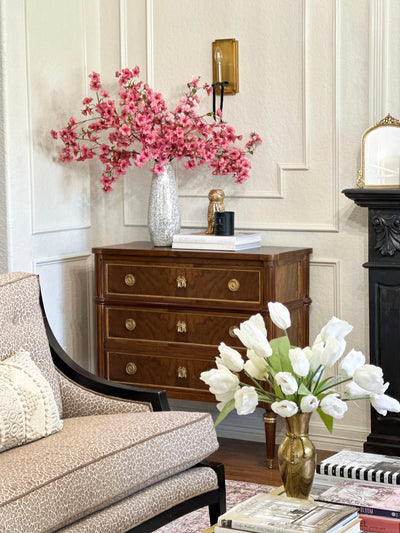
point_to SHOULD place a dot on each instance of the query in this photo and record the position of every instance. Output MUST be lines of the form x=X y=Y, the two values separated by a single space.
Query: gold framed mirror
x=380 y=155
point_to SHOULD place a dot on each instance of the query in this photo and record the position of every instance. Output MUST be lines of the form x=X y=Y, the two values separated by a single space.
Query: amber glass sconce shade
x=225 y=65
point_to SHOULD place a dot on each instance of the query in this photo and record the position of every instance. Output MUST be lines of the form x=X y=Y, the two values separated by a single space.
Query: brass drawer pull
x=130 y=368
x=130 y=280
x=233 y=285
x=181 y=372
x=130 y=324
x=181 y=326
x=231 y=331
x=181 y=282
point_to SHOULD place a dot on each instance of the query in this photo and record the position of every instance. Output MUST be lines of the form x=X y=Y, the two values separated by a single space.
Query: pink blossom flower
x=190 y=164
x=125 y=130
x=95 y=83
x=158 y=169
x=141 y=128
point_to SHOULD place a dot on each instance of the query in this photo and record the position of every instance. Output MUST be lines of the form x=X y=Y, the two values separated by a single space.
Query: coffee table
x=209 y=530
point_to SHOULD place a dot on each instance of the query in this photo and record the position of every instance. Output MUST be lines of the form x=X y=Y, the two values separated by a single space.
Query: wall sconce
x=225 y=65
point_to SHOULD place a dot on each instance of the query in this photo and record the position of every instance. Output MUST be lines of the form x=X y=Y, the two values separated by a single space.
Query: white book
x=207 y=238
x=229 y=247
x=271 y=513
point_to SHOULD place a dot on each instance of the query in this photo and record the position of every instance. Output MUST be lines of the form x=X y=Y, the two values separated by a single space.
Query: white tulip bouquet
x=296 y=376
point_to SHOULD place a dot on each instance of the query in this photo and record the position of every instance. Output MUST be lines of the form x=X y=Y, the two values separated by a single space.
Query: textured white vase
x=164 y=216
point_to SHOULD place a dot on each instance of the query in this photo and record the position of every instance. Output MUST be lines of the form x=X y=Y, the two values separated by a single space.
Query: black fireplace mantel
x=384 y=305
x=383 y=198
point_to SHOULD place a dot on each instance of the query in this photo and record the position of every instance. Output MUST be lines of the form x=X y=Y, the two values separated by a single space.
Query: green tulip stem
x=318 y=372
x=356 y=398
x=333 y=383
x=260 y=391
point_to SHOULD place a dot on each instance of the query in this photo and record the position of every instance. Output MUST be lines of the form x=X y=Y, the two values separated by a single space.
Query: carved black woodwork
x=384 y=305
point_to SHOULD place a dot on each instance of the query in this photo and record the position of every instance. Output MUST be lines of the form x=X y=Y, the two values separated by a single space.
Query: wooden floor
x=245 y=461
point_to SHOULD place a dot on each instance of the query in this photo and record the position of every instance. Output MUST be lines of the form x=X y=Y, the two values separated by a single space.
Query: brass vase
x=296 y=457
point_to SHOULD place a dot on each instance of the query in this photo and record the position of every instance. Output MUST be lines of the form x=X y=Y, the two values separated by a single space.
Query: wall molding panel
x=334 y=266
x=378 y=60
x=305 y=165
x=123 y=34
x=42 y=170
x=150 y=42
x=67 y=285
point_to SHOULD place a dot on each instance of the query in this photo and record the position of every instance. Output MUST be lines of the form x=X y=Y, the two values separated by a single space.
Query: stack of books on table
x=271 y=513
x=367 y=481
x=205 y=241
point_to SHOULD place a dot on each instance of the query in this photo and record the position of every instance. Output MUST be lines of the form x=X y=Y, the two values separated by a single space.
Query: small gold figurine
x=216 y=197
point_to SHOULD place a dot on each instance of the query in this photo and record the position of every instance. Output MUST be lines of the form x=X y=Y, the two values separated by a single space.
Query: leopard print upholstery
x=95 y=462
x=147 y=503
x=115 y=463
x=22 y=326
x=78 y=401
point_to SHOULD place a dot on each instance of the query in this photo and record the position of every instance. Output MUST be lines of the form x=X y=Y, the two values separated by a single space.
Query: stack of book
x=204 y=241
x=271 y=513
x=367 y=481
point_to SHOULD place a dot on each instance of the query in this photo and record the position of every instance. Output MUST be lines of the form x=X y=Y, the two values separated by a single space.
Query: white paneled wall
x=313 y=76
x=69 y=288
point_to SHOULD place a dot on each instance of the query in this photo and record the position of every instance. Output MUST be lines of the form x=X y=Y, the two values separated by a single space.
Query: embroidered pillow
x=28 y=410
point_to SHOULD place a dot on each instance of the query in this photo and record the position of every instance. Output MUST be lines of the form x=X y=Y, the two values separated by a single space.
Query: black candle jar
x=224 y=223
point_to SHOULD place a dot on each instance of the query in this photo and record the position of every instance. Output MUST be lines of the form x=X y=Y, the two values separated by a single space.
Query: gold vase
x=296 y=457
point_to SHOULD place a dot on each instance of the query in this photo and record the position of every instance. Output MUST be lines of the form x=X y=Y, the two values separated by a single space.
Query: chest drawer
x=183 y=283
x=150 y=370
x=160 y=325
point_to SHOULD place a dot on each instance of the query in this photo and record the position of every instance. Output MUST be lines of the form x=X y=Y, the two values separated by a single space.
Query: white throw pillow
x=28 y=410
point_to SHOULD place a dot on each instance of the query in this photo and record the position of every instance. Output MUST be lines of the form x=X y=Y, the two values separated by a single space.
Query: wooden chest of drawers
x=161 y=313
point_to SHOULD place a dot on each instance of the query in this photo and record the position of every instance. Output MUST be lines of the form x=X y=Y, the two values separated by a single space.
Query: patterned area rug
x=198 y=521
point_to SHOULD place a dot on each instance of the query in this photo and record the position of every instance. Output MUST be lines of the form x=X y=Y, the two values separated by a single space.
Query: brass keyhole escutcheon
x=231 y=331
x=181 y=282
x=130 y=324
x=130 y=280
x=181 y=372
x=181 y=326
x=130 y=368
x=233 y=285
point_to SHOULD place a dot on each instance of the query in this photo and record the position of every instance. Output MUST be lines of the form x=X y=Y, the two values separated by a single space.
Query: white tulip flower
x=287 y=382
x=223 y=384
x=255 y=366
x=279 y=315
x=299 y=361
x=352 y=390
x=284 y=408
x=246 y=400
x=229 y=358
x=332 y=352
x=258 y=322
x=314 y=355
x=309 y=403
x=332 y=405
x=253 y=335
x=335 y=328
x=370 y=378
x=383 y=404
x=353 y=360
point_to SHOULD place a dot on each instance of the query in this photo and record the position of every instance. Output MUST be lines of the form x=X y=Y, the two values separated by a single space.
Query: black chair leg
x=217 y=509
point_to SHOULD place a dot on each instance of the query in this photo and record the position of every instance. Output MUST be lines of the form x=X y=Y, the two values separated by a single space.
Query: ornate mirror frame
x=380 y=155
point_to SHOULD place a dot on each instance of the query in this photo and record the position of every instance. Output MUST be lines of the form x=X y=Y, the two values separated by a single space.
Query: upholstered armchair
x=122 y=461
